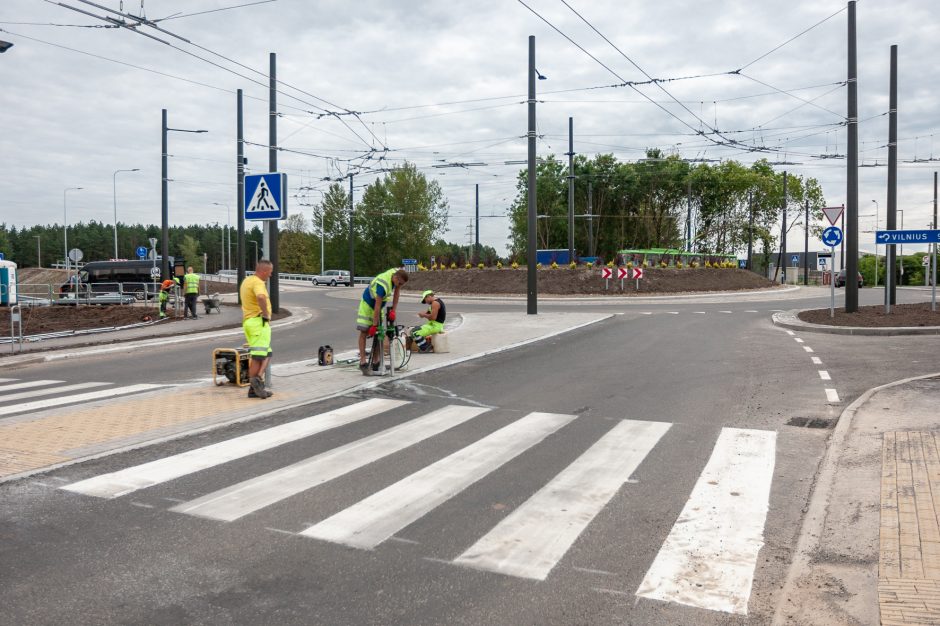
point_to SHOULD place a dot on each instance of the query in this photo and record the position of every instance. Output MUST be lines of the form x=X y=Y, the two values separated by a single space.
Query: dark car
x=840 y=279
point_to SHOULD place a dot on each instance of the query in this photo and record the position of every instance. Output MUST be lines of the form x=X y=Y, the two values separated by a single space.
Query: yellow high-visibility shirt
x=251 y=288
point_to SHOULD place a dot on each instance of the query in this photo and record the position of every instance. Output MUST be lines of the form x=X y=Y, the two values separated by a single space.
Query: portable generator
x=232 y=363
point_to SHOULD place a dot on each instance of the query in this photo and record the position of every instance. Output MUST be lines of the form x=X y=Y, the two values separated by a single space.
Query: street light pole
x=532 y=277
x=65 y=228
x=228 y=232
x=38 y=250
x=164 y=212
x=114 y=182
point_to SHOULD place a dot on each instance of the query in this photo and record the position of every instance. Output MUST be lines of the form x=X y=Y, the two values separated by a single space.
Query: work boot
x=252 y=394
x=257 y=386
x=364 y=368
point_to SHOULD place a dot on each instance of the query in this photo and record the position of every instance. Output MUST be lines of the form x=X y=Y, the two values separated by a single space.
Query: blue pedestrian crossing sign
x=265 y=196
x=141 y=252
x=832 y=236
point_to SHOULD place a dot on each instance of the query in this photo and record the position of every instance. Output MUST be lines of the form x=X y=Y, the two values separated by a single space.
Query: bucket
x=439 y=341
x=325 y=355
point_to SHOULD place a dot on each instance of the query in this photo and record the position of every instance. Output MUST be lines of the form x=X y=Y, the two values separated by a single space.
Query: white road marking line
x=673 y=312
x=278 y=530
x=369 y=522
x=790 y=332
x=807 y=348
x=726 y=311
x=142 y=505
x=832 y=395
x=403 y=540
x=816 y=360
x=823 y=374
x=48 y=390
x=751 y=311
x=708 y=559
x=700 y=312
x=251 y=495
x=599 y=572
x=7 y=380
x=82 y=397
x=646 y=313
x=798 y=340
x=131 y=479
x=29 y=384
x=531 y=540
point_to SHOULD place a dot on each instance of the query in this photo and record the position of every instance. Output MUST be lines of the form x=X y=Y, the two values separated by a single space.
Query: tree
x=398 y=217
x=333 y=214
x=189 y=249
x=295 y=246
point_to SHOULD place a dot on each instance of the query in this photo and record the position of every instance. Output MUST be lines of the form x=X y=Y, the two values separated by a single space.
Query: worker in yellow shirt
x=256 y=322
x=190 y=292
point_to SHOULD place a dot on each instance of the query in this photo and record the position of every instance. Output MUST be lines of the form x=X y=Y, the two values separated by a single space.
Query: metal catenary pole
x=164 y=209
x=476 y=243
x=590 y=220
x=851 y=199
x=933 y=290
x=271 y=226
x=532 y=277
x=240 y=186
x=783 y=234
x=893 y=169
x=352 y=237
x=806 y=246
x=750 y=229
x=570 y=189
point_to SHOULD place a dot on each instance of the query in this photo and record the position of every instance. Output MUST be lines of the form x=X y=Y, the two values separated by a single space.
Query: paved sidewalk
x=51 y=438
x=869 y=551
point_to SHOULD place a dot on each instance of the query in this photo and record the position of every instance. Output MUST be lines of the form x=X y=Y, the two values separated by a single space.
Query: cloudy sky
x=442 y=82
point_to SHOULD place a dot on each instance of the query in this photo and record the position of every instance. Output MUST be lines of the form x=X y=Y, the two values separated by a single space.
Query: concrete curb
x=299 y=315
x=790 y=319
x=294 y=405
x=815 y=518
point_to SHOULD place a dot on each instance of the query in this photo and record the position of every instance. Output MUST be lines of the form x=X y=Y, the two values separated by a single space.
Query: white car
x=332 y=278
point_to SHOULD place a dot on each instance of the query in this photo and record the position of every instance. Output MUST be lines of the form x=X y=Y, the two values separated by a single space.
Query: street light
x=228 y=230
x=114 y=182
x=65 y=227
x=165 y=244
x=4 y=46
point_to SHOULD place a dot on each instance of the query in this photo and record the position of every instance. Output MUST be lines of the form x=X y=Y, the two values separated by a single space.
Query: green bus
x=655 y=257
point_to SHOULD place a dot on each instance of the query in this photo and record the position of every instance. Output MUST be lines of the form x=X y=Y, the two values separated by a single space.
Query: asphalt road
x=697 y=367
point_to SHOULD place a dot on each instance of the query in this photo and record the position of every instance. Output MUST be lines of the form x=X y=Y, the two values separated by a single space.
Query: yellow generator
x=232 y=364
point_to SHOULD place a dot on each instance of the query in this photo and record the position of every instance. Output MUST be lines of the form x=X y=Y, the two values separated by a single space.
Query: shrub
x=679 y=265
x=663 y=264
x=499 y=265
x=515 y=265
x=630 y=265
x=610 y=264
x=554 y=265
x=453 y=265
x=467 y=266
x=480 y=266
x=590 y=265
x=538 y=266
x=645 y=264
x=693 y=264
x=573 y=265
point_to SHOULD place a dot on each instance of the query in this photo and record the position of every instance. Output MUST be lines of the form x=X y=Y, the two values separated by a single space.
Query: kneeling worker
x=370 y=310
x=256 y=322
x=435 y=316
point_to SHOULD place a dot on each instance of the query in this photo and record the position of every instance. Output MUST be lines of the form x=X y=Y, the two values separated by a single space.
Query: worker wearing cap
x=164 y=297
x=435 y=316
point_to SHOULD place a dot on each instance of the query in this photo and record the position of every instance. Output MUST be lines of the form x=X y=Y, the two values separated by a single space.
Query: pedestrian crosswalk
x=18 y=397
x=707 y=560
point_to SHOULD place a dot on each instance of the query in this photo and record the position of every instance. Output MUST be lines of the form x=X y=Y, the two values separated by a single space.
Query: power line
x=744 y=67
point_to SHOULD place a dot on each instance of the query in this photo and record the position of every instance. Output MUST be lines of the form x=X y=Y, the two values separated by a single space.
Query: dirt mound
x=584 y=281
x=52 y=319
x=902 y=315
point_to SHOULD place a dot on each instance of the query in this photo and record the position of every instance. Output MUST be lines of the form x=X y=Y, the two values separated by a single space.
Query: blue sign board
x=142 y=251
x=890 y=237
x=832 y=236
x=795 y=259
x=742 y=263
x=409 y=261
x=265 y=197
x=1 y=256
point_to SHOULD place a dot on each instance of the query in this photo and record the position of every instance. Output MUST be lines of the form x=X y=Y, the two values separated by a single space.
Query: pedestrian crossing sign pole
x=265 y=197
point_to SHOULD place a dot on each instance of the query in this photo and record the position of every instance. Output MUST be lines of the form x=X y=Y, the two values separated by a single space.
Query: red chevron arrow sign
x=606 y=272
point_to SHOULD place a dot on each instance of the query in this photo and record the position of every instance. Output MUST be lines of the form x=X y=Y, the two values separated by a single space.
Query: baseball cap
x=425 y=294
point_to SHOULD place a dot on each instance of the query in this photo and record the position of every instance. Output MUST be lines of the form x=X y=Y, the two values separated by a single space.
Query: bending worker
x=191 y=288
x=435 y=316
x=256 y=322
x=374 y=298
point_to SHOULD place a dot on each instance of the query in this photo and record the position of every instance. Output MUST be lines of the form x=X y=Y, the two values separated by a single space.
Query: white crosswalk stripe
x=28 y=385
x=534 y=537
x=162 y=470
x=35 y=405
x=47 y=391
x=375 y=519
x=708 y=559
x=256 y=493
